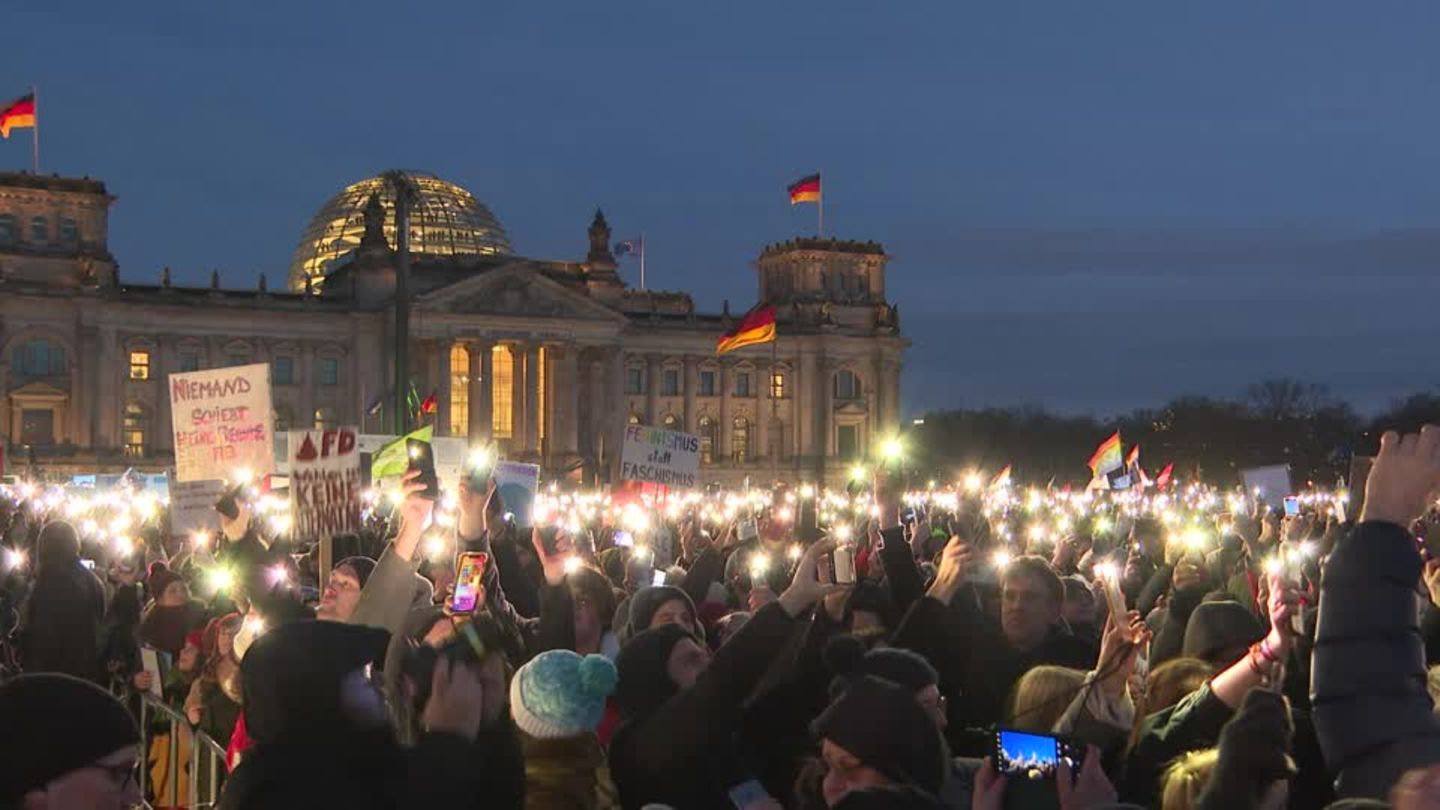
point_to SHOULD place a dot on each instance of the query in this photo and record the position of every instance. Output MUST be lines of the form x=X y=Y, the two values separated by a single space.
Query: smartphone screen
x=624 y=539
x=746 y=530
x=422 y=458
x=658 y=578
x=90 y=564
x=469 y=577
x=1292 y=506
x=1031 y=757
x=843 y=564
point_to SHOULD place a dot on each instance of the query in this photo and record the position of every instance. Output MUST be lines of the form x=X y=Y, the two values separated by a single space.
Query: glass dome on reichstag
x=447 y=220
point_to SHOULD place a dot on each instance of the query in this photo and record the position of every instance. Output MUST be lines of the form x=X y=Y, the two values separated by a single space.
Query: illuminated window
x=139 y=365
x=282 y=370
x=847 y=385
x=459 y=391
x=740 y=440
x=539 y=388
x=325 y=419
x=707 y=383
x=707 y=440
x=502 y=421
x=134 y=430
x=39 y=230
x=670 y=382
x=742 y=384
x=671 y=422
x=329 y=371
x=777 y=385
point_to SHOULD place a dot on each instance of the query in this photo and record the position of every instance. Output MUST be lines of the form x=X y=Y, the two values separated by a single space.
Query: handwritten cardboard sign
x=324 y=482
x=192 y=507
x=222 y=423
x=660 y=456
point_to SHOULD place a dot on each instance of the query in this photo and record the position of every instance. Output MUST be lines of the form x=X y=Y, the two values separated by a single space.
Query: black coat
x=61 y=623
x=684 y=753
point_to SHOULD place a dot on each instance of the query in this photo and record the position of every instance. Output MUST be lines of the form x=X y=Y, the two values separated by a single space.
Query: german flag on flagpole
x=758 y=326
x=16 y=114
x=805 y=190
x=1108 y=456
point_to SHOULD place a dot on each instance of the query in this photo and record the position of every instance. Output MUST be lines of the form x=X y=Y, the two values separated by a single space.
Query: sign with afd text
x=324 y=482
x=660 y=456
x=221 y=419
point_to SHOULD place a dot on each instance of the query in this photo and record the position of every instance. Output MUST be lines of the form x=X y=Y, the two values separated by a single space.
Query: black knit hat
x=647 y=602
x=642 y=666
x=362 y=566
x=883 y=726
x=1216 y=628
x=846 y=658
x=39 y=744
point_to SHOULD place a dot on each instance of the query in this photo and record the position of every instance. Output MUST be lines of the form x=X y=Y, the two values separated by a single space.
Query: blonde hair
x=1167 y=684
x=1042 y=696
x=1185 y=777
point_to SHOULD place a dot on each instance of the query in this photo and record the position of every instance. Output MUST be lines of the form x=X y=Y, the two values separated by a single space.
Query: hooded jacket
x=61 y=619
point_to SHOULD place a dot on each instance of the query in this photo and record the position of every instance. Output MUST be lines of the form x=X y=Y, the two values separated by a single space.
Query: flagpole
x=35 y=130
x=642 y=261
x=820 y=208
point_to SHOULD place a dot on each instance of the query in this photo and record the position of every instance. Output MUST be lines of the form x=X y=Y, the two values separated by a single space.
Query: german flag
x=1108 y=456
x=758 y=326
x=21 y=113
x=806 y=189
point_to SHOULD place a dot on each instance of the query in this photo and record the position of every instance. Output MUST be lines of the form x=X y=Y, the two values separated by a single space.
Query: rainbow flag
x=1002 y=478
x=1108 y=456
x=758 y=326
x=806 y=189
x=18 y=113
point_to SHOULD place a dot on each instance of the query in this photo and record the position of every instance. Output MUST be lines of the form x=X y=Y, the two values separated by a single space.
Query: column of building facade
x=891 y=414
x=517 y=396
x=480 y=370
x=309 y=380
x=692 y=382
x=570 y=385
x=446 y=384
x=828 y=367
x=158 y=434
x=806 y=406
x=107 y=376
x=723 y=451
x=614 y=415
x=652 y=389
x=532 y=397
x=594 y=403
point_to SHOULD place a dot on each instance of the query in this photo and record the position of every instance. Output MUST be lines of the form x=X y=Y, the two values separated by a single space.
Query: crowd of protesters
x=886 y=646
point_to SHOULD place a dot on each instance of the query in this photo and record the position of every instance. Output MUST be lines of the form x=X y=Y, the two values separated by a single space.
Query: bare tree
x=1284 y=398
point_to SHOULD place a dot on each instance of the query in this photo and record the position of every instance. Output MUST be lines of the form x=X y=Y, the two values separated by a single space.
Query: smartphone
x=842 y=564
x=1027 y=757
x=422 y=458
x=90 y=564
x=469 y=582
x=1114 y=597
x=549 y=539
x=1292 y=506
x=229 y=503
x=657 y=578
x=478 y=468
x=624 y=539
x=747 y=530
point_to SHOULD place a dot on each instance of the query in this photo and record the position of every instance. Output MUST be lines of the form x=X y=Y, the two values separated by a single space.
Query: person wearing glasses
x=67 y=744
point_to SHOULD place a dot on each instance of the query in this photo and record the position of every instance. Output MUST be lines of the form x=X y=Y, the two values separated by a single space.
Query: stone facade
x=547 y=358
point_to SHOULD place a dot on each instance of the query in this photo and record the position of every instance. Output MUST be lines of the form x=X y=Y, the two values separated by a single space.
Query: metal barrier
x=205 y=757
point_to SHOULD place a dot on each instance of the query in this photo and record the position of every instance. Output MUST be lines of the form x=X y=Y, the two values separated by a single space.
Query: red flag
x=1163 y=479
x=428 y=405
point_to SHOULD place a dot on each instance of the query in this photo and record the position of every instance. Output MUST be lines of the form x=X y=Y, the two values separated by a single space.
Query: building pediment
x=515 y=290
x=851 y=408
x=38 y=392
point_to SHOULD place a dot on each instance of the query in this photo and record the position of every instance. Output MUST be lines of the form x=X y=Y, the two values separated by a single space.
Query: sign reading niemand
x=222 y=423
x=659 y=456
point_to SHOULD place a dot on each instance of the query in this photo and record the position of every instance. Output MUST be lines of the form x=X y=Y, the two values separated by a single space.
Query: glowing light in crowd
x=973 y=482
x=573 y=564
x=200 y=539
x=14 y=559
x=759 y=564
x=859 y=473
x=1002 y=559
x=892 y=449
x=124 y=546
x=278 y=575
x=434 y=545
x=220 y=579
x=794 y=552
x=255 y=625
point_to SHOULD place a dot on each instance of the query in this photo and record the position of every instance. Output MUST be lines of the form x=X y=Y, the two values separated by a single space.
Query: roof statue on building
x=600 y=240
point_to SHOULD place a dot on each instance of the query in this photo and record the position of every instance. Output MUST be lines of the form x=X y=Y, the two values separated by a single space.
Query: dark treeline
x=1276 y=422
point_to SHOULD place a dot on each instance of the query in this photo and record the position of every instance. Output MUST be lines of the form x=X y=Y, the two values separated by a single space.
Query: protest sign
x=660 y=456
x=324 y=482
x=516 y=483
x=221 y=420
x=192 y=507
x=1273 y=483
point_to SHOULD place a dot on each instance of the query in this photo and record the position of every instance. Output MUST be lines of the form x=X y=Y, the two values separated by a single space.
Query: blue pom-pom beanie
x=560 y=694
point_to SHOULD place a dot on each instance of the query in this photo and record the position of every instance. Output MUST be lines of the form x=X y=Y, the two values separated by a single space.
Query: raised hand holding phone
x=1404 y=478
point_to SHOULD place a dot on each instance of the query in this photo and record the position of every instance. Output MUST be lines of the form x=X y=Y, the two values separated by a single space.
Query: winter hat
x=560 y=694
x=36 y=749
x=873 y=598
x=642 y=668
x=882 y=725
x=847 y=659
x=362 y=566
x=647 y=602
x=159 y=579
x=293 y=677
x=890 y=797
x=1217 y=627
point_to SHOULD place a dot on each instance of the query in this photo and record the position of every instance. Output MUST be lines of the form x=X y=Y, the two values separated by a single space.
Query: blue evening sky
x=1090 y=206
